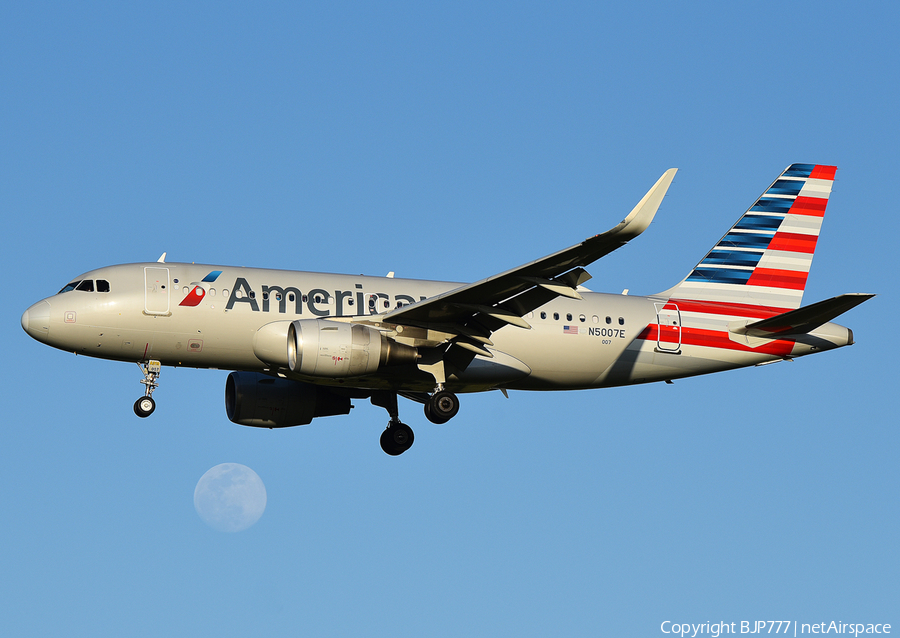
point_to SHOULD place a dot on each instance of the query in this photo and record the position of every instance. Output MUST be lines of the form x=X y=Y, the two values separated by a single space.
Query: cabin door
x=668 y=319
x=156 y=291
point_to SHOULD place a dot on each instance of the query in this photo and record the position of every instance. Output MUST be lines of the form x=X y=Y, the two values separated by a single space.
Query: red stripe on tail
x=772 y=278
x=823 y=172
x=812 y=206
x=794 y=242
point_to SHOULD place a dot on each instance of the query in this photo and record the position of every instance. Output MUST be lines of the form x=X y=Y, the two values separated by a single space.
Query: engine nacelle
x=323 y=348
x=258 y=400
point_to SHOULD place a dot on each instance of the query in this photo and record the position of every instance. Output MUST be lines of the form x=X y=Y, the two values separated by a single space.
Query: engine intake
x=323 y=348
x=258 y=400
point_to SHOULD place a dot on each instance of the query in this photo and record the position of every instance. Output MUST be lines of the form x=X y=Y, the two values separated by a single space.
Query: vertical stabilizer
x=765 y=258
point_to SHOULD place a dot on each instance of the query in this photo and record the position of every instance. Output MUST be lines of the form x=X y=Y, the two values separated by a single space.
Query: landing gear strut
x=441 y=406
x=145 y=406
x=398 y=437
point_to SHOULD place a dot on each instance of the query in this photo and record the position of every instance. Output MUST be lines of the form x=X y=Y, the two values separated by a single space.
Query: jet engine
x=323 y=348
x=258 y=400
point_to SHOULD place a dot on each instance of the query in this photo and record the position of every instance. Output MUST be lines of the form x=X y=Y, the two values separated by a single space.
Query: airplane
x=303 y=345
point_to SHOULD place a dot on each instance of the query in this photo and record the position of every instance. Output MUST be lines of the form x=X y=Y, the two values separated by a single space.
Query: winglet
x=162 y=259
x=641 y=215
x=548 y=274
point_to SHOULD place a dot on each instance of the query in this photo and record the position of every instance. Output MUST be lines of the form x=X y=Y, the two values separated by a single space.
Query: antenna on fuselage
x=162 y=259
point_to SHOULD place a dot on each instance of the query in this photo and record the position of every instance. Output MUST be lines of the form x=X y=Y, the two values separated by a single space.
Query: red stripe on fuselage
x=772 y=278
x=724 y=308
x=794 y=242
x=720 y=340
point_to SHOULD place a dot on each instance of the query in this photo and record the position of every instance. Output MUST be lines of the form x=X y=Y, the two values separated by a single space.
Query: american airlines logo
x=198 y=292
x=318 y=302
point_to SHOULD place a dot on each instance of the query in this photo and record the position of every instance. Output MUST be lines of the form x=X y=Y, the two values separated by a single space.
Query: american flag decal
x=570 y=330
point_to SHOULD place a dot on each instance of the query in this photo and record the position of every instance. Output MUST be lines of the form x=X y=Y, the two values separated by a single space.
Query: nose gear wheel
x=144 y=406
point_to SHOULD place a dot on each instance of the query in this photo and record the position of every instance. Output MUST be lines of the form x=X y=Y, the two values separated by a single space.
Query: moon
x=230 y=497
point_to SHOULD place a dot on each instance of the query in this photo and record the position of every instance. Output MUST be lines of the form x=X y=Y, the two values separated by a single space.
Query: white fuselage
x=167 y=312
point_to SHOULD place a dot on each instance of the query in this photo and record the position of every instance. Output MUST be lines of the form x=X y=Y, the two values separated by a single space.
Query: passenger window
x=621 y=321
x=102 y=285
x=595 y=319
x=609 y=320
x=556 y=316
x=86 y=286
x=569 y=317
x=543 y=315
x=582 y=318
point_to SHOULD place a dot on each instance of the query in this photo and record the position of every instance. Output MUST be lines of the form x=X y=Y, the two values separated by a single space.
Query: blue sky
x=445 y=142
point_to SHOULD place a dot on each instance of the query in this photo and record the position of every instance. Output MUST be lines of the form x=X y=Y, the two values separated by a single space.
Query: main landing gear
x=398 y=437
x=145 y=406
x=441 y=406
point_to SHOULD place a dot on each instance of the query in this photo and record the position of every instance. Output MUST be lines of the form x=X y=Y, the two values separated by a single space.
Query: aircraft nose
x=36 y=320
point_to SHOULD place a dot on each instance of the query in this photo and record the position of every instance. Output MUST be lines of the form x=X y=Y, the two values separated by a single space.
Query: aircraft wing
x=491 y=303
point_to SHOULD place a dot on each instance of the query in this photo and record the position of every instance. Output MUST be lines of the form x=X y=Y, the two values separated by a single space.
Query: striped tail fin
x=765 y=258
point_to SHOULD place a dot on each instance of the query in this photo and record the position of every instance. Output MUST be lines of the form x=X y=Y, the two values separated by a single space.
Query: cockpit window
x=86 y=285
x=69 y=287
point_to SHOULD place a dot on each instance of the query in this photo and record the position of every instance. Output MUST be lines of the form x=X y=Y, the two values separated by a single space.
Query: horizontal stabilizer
x=802 y=320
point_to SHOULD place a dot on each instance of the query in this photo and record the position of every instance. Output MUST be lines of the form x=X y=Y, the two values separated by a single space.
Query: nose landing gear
x=145 y=406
